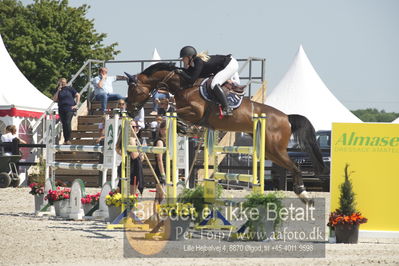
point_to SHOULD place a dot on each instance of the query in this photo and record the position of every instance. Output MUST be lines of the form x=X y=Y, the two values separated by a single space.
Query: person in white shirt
x=7 y=137
x=10 y=136
x=139 y=118
x=103 y=90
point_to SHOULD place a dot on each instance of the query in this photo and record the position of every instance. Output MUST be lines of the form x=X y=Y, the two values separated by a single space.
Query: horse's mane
x=159 y=67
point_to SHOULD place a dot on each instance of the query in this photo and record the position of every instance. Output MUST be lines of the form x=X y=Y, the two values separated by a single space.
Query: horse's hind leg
x=282 y=159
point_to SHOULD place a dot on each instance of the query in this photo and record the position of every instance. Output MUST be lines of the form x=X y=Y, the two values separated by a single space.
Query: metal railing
x=87 y=65
x=248 y=64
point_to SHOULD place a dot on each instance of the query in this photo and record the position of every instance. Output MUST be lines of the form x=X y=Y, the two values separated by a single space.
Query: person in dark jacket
x=68 y=99
x=201 y=65
x=136 y=162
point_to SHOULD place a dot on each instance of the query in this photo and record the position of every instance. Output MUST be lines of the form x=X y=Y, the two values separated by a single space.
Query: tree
x=373 y=115
x=48 y=40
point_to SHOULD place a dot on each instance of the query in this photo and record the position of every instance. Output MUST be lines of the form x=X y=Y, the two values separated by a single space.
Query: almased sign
x=372 y=152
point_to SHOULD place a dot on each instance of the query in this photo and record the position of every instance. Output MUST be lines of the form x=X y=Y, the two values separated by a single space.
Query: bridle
x=134 y=81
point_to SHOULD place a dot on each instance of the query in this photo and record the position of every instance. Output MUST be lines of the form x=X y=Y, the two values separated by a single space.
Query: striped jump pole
x=170 y=151
x=257 y=150
x=108 y=151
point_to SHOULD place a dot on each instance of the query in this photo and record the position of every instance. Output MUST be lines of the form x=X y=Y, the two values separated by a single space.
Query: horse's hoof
x=305 y=198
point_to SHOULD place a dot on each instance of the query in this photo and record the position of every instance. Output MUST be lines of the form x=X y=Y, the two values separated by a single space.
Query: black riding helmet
x=188 y=51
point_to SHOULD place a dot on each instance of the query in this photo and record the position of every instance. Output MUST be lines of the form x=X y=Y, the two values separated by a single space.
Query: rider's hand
x=178 y=71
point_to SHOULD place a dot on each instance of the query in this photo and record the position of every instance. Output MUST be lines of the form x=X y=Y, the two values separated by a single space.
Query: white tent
x=16 y=92
x=396 y=121
x=155 y=56
x=301 y=91
x=19 y=99
x=21 y=104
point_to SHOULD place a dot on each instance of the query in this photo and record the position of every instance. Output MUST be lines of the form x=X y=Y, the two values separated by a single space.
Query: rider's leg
x=217 y=89
x=220 y=78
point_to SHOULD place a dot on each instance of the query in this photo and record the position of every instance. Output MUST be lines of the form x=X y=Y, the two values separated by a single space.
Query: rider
x=201 y=65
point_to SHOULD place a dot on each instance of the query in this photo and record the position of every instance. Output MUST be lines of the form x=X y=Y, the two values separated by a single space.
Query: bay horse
x=193 y=109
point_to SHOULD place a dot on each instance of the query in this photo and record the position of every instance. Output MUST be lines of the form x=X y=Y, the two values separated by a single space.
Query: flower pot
x=39 y=199
x=347 y=233
x=88 y=207
x=61 y=207
x=262 y=229
x=113 y=212
x=176 y=227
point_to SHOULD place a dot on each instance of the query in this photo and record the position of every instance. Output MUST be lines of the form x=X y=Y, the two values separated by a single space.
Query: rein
x=163 y=83
x=133 y=80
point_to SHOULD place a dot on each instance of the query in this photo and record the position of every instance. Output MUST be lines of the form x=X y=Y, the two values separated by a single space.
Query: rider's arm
x=121 y=77
x=193 y=73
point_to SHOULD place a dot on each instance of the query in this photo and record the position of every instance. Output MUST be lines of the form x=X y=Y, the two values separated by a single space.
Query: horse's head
x=143 y=85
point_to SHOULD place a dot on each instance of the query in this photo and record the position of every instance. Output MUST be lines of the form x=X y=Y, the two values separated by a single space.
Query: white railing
x=49 y=110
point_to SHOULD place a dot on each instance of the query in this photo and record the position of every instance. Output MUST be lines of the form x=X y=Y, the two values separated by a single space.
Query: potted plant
x=196 y=197
x=346 y=219
x=114 y=203
x=259 y=227
x=37 y=190
x=60 y=199
x=89 y=201
x=36 y=173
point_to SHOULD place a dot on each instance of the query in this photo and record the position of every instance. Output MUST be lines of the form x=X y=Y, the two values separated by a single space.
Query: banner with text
x=372 y=152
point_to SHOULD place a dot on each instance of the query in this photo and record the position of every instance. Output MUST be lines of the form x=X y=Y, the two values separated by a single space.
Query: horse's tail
x=304 y=134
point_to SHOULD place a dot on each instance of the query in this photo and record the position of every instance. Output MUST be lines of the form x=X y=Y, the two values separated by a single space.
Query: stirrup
x=228 y=111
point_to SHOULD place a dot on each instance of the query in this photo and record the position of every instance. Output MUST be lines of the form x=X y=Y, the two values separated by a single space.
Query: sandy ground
x=27 y=239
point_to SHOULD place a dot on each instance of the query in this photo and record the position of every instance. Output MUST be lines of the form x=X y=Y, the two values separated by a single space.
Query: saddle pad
x=233 y=100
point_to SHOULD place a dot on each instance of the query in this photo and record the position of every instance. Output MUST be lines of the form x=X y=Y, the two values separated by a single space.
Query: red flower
x=339 y=218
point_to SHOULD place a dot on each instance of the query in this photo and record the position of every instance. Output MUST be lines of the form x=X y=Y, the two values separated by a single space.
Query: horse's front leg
x=186 y=113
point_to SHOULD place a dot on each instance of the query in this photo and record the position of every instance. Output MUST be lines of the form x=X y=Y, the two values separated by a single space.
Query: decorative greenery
x=36 y=189
x=178 y=209
x=49 y=39
x=196 y=197
x=91 y=199
x=115 y=199
x=346 y=213
x=261 y=200
x=37 y=172
x=58 y=194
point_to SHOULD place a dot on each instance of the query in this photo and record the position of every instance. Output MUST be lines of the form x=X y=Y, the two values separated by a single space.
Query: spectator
x=101 y=132
x=158 y=96
x=103 y=90
x=7 y=136
x=11 y=136
x=165 y=107
x=68 y=99
x=160 y=159
x=136 y=164
x=160 y=163
x=138 y=118
x=154 y=127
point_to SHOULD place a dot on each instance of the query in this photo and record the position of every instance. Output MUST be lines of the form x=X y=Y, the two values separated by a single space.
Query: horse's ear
x=131 y=78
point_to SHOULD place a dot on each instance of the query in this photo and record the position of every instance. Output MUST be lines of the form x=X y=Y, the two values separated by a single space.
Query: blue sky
x=352 y=44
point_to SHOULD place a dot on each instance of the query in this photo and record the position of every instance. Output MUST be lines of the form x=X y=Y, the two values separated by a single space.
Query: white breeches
x=227 y=73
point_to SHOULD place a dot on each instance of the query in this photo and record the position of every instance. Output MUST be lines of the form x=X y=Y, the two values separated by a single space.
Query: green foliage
x=38 y=172
x=196 y=197
x=373 y=115
x=48 y=40
x=261 y=200
x=347 y=204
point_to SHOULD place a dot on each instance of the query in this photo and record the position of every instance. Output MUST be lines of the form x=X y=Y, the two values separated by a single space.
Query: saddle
x=234 y=92
x=228 y=87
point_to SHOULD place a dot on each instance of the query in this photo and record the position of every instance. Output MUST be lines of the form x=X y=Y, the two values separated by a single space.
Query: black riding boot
x=222 y=99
